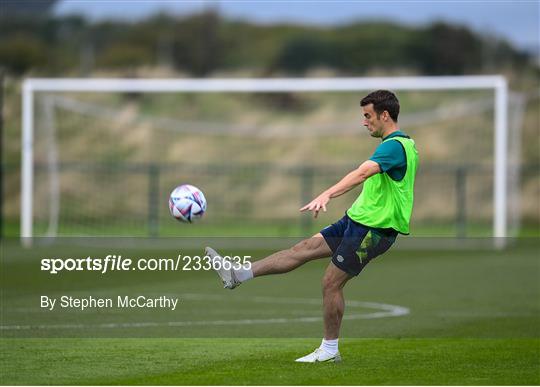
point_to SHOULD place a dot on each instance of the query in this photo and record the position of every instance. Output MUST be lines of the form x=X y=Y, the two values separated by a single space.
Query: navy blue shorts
x=353 y=245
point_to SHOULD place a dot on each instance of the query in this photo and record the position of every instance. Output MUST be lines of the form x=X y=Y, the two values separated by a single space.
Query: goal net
x=100 y=156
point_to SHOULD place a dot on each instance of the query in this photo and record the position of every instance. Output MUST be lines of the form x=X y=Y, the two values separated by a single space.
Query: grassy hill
x=257 y=157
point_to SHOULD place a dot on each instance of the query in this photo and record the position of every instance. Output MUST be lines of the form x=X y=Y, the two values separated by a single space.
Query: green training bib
x=386 y=203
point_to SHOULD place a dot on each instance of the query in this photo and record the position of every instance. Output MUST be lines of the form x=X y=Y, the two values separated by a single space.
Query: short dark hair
x=383 y=100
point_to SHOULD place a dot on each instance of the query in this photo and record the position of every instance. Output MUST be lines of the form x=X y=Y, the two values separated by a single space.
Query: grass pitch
x=269 y=362
x=473 y=318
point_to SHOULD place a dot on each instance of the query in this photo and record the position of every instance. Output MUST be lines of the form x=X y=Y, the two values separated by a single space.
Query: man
x=369 y=227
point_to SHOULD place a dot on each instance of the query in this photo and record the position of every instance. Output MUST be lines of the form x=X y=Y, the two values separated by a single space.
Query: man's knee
x=330 y=283
x=334 y=279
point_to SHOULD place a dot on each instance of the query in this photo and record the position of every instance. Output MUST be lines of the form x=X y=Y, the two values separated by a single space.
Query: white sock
x=243 y=274
x=330 y=346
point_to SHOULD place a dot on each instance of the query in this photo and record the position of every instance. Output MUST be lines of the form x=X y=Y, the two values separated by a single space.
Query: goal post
x=497 y=83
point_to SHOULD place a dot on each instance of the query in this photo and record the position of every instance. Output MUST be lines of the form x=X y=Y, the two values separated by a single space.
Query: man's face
x=373 y=123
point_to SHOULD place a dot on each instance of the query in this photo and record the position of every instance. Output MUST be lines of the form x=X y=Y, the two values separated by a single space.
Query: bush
x=22 y=53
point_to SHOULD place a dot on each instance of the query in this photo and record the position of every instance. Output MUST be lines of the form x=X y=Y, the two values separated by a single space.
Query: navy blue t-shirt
x=391 y=157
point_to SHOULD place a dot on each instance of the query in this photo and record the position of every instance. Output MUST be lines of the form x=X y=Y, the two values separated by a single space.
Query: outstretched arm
x=352 y=179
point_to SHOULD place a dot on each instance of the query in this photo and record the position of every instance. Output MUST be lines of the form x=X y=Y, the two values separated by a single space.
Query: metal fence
x=132 y=198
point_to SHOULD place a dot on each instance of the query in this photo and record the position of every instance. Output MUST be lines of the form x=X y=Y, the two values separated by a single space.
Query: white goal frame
x=497 y=83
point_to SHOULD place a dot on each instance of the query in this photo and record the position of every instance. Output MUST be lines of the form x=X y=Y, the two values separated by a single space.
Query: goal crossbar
x=497 y=83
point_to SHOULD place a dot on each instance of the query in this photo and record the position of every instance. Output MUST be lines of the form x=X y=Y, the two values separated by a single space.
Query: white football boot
x=320 y=356
x=218 y=264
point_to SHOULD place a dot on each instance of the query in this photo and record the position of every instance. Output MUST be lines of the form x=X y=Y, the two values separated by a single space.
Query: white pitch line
x=385 y=310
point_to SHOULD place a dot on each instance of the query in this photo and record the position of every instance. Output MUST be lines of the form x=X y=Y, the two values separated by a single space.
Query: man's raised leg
x=286 y=260
x=280 y=262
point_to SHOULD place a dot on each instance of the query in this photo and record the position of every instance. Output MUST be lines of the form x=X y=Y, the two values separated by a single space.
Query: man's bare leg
x=333 y=308
x=333 y=301
x=286 y=260
x=280 y=262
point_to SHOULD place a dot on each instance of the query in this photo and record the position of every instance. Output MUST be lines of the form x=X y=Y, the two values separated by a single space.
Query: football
x=187 y=203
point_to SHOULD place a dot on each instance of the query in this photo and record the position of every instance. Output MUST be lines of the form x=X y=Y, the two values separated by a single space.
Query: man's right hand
x=317 y=204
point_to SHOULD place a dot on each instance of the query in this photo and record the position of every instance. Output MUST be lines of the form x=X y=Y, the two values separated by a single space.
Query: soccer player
x=368 y=229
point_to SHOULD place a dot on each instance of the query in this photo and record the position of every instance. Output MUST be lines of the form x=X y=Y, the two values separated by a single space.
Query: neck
x=389 y=130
